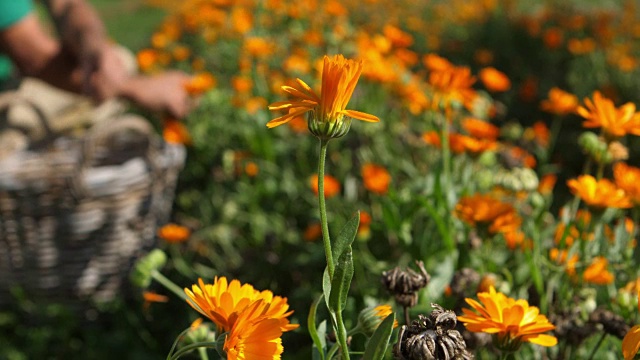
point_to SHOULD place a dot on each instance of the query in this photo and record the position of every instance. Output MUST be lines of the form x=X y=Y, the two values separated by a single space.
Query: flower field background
x=506 y=159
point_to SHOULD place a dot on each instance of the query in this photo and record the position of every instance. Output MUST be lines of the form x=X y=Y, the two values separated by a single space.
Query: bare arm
x=37 y=54
x=82 y=33
x=78 y=25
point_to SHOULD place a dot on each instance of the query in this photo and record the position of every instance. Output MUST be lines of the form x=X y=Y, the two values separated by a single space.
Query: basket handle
x=12 y=98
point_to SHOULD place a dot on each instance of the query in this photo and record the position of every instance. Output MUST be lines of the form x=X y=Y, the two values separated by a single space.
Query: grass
x=129 y=22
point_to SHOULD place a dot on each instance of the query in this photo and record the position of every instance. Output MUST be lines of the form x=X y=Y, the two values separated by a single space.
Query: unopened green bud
x=512 y=131
x=487 y=158
x=485 y=178
x=595 y=147
x=141 y=275
x=625 y=300
x=370 y=318
x=199 y=332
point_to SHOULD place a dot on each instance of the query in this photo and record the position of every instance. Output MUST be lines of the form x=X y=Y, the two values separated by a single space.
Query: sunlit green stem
x=203 y=353
x=332 y=351
x=595 y=349
x=446 y=173
x=188 y=348
x=556 y=124
x=156 y=275
x=446 y=154
x=507 y=355
x=342 y=336
x=341 y=332
x=323 y=207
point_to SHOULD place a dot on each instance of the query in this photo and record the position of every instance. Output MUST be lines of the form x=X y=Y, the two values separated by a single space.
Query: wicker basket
x=76 y=212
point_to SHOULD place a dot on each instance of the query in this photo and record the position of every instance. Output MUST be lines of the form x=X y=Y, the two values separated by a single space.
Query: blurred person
x=81 y=59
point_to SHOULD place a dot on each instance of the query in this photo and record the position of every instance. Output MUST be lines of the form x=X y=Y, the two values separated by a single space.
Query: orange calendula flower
x=173 y=233
x=453 y=83
x=487 y=211
x=254 y=335
x=494 y=80
x=512 y=321
x=258 y=47
x=312 y=232
x=376 y=178
x=175 y=132
x=251 y=169
x=547 y=183
x=514 y=239
x=397 y=37
x=553 y=38
x=331 y=185
x=435 y=62
x=631 y=343
x=560 y=257
x=506 y=223
x=627 y=178
x=364 y=225
x=329 y=117
x=223 y=302
x=480 y=129
x=599 y=194
x=147 y=59
x=200 y=83
x=597 y=272
x=559 y=102
x=615 y=122
x=472 y=145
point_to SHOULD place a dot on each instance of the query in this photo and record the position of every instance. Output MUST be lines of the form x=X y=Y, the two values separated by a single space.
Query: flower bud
x=199 y=332
x=595 y=147
x=404 y=284
x=141 y=273
x=370 y=318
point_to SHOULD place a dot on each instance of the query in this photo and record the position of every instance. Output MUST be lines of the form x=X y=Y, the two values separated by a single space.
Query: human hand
x=103 y=71
x=164 y=92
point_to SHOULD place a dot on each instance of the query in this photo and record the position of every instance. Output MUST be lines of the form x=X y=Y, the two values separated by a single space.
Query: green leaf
x=326 y=286
x=318 y=339
x=346 y=236
x=341 y=281
x=322 y=333
x=377 y=345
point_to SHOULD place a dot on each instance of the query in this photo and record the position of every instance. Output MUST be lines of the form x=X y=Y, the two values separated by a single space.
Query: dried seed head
x=404 y=284
x=571 y=327
x=612 y=323
x=464 y=281
x=432 y=338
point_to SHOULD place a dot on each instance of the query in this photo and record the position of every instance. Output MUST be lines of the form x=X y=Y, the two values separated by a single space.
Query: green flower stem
x=156 y=275
x=595 y=349
x=635 y=216
x=446 y=174
x=175 y=343
x=332 y=351
x=507 y=356
x=341 y=332
x=342 y=336
x=203 y=353
x=556 y=125
x=323 y=207
x=188 y=348
x=355 y=330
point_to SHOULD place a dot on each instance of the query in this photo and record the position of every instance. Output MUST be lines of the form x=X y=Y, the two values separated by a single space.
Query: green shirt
x=11 y=11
